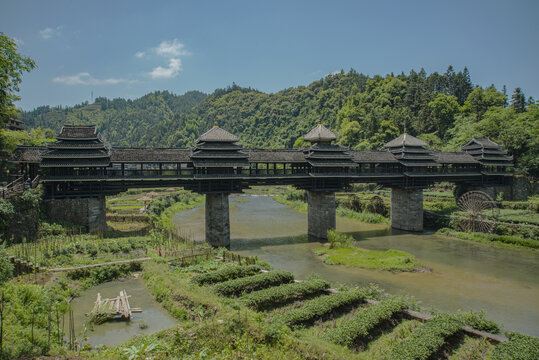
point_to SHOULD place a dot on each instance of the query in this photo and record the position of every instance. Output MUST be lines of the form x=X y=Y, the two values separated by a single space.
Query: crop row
x=226 y=274
x=522 y=347
x=365 y=321
x=283 y=294
x=315 y=309
x=427 y=338
x=252 y=283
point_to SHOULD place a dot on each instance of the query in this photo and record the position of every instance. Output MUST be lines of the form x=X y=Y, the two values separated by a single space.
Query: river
x=501 y=281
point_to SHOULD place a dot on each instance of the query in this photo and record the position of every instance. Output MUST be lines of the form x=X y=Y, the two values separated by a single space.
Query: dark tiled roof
x=406 y=140
x=483 y=142
x=78 y=132
x=27 y=154
x=320 y=134
x=455 y=158
x=75 y=162
x=76 y=144
x=219 y=154
x=373 y=157
x=209 y=163
x=150 y=155
x=270 y=156
x=217 y=134
x=95 y=153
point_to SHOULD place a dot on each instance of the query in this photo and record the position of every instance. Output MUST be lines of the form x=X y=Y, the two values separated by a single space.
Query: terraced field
x=363 y=321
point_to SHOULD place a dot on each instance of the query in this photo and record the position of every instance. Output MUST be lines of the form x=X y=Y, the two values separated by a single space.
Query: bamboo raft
x=117 y=308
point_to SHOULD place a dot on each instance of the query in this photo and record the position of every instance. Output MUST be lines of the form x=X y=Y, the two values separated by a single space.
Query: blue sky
x=129 y=48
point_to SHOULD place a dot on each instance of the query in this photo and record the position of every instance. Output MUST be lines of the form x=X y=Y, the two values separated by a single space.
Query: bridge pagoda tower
x=419 y=166
x=329 y=165
x=218 y=159
x=79 y=153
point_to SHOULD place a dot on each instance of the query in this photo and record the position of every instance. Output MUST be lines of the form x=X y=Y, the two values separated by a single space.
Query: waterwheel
x=481 y=211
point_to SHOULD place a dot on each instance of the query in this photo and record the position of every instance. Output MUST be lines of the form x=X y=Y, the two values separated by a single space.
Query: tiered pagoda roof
x=77 y=146
x=411 y=151
x=217 y=148
x=487 y=152
x=322 y=153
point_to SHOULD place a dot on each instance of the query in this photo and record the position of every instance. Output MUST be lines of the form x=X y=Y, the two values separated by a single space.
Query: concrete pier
x=321 y=213
x=217 y=220
x=89 y=212
x=407 y=209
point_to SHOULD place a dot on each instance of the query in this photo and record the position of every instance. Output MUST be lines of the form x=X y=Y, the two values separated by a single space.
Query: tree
x=518 y=101
x=443 y=110
x=13 y=65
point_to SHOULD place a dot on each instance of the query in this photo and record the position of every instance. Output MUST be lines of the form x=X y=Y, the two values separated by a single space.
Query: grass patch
x=390 y=260
x=364 y=216
x=241 y=200
x=504 y=240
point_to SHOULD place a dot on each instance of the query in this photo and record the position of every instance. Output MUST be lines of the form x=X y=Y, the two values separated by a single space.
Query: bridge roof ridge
x=217 y=134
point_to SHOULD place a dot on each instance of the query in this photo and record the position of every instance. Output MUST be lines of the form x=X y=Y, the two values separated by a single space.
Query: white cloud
x=172 y=48
x=85 y=78
x=140 y=54
x=174 y=67
x=49 y=32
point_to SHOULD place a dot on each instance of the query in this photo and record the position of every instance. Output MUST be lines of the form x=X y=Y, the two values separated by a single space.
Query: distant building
x=13 y=124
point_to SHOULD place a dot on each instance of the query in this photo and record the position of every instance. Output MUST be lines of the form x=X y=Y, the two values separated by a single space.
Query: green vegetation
x=30 y=316
x=281 y=295
x=491 y=238
x=315 y=309
x=255 y=282
x=427 y=338
x=361 y=325
x=13 y=66
x=519 y=346
x=342 y=252
x=228 y=273
x=390 y=260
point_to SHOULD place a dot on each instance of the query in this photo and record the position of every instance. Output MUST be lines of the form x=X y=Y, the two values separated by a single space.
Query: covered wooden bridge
x=79 y=170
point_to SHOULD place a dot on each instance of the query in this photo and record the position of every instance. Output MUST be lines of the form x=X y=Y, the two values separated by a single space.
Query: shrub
x=6 y=266
x=478 y=321
x=427 y=338
x=337 y=239
x=519 y=346
x=315 y=309
x=255 y=282
x=283 y=294
x=365 y=321
x=225 y=274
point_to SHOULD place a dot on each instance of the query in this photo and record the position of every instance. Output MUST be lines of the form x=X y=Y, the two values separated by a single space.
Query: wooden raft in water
x=116 y=308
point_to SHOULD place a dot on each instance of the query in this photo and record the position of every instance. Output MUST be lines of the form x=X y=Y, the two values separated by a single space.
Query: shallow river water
x=501 y=281
x=116 y=332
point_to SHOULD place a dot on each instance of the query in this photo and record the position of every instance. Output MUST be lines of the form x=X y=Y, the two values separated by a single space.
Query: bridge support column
x=89 y=212
x=407 y=209
x=321 y=213
x=217 y=220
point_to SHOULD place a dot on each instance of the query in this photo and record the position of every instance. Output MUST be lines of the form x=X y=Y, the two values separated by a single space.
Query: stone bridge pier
x=88 y=212
x=321 y=213
x=407 y=209
x=217 y=220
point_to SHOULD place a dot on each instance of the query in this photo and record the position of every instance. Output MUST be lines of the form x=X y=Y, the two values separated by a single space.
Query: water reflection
x=502 y=281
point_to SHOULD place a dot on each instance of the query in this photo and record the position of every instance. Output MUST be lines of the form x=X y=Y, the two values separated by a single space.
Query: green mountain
x=444 y=109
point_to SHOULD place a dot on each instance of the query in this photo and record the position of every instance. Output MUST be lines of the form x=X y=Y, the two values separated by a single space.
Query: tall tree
x=518 y=101
x=12 y=66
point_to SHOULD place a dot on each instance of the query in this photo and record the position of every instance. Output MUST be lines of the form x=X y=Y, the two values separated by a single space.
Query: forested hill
x=121 y=122
x=444 y=109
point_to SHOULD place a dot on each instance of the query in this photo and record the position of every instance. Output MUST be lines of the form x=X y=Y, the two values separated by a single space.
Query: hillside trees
x=442 y=108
